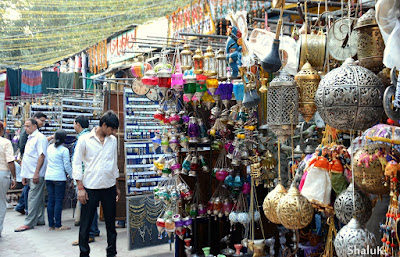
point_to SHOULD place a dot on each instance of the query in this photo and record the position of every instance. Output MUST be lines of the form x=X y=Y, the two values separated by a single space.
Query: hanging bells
x=294 y=210
x=282 y=105
x=370 y=45
x=344 y=208
x=353 y=237
x=350 y=97
x=307 y=81
x=271 y=202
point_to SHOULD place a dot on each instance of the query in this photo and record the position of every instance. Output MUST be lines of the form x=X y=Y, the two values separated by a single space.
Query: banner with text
x=121 y=47
x=193 y=18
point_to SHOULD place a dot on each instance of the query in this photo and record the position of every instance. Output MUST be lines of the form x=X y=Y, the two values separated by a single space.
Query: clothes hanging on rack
x=31 y=83
x=49 y=80
x=14 y=81
x=78 y=81
x=66 y=80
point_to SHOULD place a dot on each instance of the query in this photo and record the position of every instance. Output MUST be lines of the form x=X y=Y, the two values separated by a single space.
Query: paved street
x=40 y=242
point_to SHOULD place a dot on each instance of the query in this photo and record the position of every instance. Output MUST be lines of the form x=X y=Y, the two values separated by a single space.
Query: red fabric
x=7 y=93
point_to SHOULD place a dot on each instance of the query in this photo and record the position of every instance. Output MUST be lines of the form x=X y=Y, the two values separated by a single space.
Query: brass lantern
x=307 y=81
x=221 y=60
x=271 y=202
x=198 y=59
x=294 y=210
x=370 y=45
x=186 y=57
x=282 y=105
x=209 y=68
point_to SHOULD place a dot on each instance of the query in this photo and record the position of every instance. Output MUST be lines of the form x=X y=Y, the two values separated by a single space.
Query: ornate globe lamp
x=370 y=45
x=186 y=57
x=198 y=59
x=294 y=210
x=271 y=201
x=221 y=67
x=353 y=236
x=209 y=68
x=344 y=208
x=307 y=81
x=282 y=105
x=350 y=97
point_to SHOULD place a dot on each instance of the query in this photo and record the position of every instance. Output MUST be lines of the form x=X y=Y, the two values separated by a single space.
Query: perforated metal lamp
x=221 y=61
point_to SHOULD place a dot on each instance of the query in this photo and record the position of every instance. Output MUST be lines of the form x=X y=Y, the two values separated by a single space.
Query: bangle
x=80 y=187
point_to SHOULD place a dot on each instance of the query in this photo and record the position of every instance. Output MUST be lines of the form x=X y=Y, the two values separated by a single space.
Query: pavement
x=40 y=242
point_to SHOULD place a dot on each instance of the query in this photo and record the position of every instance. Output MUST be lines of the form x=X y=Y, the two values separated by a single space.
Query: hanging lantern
x=150 y=79
x=198 y=59
x=189 y=88
x=282 y=105
x=370 y=45
x=238 y=91
x=193 y=130
x=350 y=97
x=186 y=57
x=221 y=60
x=212 y=86
x=354 y=237
x=315 y=52
x=307 y=84
x=209 y=68
x=201 y=87
x=294 y=210
x=164 y=80
x=225 y=92
x=368 y=171
x=344 y=208
x=271 y=202
x=208 y=100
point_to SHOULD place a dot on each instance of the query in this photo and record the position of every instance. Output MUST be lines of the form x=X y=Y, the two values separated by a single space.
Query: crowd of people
x=46 y=164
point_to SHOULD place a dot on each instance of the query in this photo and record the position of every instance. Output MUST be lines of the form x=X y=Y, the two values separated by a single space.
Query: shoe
x=40 y=224
x=22 y=228
x=75 y=243
x=21 y=211
x=51 y=228
x=77 y=223
x=63 y=228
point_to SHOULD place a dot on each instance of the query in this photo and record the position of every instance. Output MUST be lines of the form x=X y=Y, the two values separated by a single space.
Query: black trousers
x=107 y=199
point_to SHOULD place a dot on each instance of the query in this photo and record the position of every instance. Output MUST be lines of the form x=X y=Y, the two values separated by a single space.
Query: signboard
x=120 y=47
x=220 y=8
x=193 y=18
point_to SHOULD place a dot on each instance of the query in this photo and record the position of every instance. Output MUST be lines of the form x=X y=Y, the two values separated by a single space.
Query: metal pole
x=202 y=35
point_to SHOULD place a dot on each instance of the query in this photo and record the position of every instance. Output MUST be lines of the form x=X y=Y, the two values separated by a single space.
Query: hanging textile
x=7 y=94
x=84 y=68
x=78 y=80
x=31 y=83
x=89 y=82
x=66 y=80
x=49 y=80
x=14 y=81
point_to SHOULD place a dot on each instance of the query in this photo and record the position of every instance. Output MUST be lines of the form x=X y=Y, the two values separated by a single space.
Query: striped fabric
x=31 y=83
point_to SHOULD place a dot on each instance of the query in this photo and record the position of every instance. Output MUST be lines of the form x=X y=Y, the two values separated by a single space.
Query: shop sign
x=121 y=47
x=220 y=8
x=193 y=18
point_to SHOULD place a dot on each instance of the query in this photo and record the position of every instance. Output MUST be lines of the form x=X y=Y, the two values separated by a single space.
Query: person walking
x=98 y=152
x=58 y=165
x=22 y=206
x=33 y=171
x=7 y=168
x=81 y=126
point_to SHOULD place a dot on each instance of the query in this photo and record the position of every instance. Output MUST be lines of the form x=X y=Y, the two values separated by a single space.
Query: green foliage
x=37 y=33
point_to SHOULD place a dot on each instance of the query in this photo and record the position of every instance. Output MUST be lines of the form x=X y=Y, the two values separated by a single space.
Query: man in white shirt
x=98 y=152
x=32 y=171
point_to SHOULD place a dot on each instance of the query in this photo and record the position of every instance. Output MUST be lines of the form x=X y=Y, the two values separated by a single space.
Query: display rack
x=53 y=113
x=11 y=119
x=73 y=107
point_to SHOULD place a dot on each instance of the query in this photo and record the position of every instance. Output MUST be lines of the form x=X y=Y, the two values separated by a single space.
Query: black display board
x=142 y=213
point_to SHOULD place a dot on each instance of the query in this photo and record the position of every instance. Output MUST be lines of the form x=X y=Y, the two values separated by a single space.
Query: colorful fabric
x=31 y=83
x=49 y=80
x=89 y=82
x=66 y=80
x=14 y=81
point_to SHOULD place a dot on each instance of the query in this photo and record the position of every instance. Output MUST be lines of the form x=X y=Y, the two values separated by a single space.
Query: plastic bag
x=392 y=49
x=387 y=12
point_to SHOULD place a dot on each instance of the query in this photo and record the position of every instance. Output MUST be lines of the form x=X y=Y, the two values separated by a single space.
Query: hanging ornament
x=350 y=97
x=294 y=210
x=238 y=91
x=193 y=130
x=307 y=80
x=186 y=57
x=282 y=105
x=344 y=206
x=189 y=87
x=271 y=201
x=353 y=236
x=370 y=42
